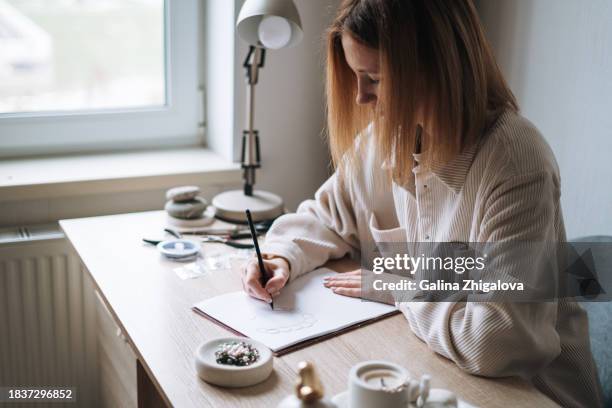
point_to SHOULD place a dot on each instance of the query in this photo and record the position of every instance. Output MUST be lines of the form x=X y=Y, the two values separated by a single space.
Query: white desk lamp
x=262 y=24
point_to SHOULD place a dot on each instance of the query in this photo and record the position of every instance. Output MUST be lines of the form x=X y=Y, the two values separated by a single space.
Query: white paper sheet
x=304 y=310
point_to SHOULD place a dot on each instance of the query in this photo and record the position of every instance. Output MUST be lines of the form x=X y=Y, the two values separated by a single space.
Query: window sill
x=65 y=176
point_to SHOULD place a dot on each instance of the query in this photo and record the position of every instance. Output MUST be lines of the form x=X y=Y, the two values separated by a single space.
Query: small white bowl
x=232 y=376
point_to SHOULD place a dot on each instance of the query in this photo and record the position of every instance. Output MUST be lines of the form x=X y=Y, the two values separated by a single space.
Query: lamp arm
x=254 y=60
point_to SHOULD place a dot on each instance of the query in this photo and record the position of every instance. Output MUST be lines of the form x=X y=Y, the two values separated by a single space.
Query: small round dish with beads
x=233 y=362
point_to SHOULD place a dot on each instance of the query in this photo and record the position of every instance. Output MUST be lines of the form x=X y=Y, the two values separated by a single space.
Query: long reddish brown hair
x=436 y=66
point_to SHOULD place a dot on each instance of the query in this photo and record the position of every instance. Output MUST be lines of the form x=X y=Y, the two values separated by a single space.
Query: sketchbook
x=304 y=312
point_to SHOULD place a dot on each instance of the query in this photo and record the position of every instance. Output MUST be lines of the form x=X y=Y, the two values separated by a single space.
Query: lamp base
x=231 y=206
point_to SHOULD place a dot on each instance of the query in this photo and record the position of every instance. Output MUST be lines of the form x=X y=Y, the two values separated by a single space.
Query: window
x=76 y=56
x=97 y=74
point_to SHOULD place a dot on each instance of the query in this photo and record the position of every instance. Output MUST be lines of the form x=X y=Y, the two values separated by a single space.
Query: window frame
x=175 y=124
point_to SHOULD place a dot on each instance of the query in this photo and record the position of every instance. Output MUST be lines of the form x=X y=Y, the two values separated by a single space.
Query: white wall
x=290 y=113
x=557 y=57
x=216 y=64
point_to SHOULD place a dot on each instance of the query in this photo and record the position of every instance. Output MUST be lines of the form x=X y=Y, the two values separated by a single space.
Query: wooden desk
x=153 y=308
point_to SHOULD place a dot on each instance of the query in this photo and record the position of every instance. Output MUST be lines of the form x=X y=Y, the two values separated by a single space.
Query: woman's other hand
x=346 y=284
x=350 y=284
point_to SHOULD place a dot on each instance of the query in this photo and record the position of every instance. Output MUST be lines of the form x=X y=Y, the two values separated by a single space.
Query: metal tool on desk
x=227 y=239
x=170 y=231
x=232 y=231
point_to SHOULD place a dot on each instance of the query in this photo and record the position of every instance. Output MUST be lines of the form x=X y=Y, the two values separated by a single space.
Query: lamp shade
x=270 y=23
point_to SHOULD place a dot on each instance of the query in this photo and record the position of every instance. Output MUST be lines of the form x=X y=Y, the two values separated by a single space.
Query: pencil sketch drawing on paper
x=282 y=321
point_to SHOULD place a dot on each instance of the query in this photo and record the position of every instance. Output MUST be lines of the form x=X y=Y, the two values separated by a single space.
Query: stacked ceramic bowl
x=186 y=208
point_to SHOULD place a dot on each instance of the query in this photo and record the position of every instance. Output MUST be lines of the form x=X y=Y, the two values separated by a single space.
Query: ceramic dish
x=229 y=375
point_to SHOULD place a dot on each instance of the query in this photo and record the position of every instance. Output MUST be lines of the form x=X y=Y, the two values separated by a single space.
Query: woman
x=417 y=81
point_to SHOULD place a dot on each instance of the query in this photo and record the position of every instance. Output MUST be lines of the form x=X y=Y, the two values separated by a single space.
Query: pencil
x=262 y=268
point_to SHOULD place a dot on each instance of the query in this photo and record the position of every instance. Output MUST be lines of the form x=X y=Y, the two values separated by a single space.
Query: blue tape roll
x=178 y=248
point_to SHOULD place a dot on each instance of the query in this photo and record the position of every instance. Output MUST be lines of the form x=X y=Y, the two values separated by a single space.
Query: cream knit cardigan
x=506 y=189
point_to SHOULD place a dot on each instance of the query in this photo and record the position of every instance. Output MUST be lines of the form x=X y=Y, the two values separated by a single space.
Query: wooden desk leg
x=148 y=395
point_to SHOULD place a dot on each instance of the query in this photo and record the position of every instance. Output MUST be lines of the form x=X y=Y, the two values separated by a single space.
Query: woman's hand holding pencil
x=277 y=270
x=259 y=280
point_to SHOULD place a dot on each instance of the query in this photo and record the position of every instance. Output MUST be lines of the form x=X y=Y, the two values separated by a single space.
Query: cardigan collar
x=452 y=173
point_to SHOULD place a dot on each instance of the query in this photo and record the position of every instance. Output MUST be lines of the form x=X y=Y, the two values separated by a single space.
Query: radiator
x=47 y=315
